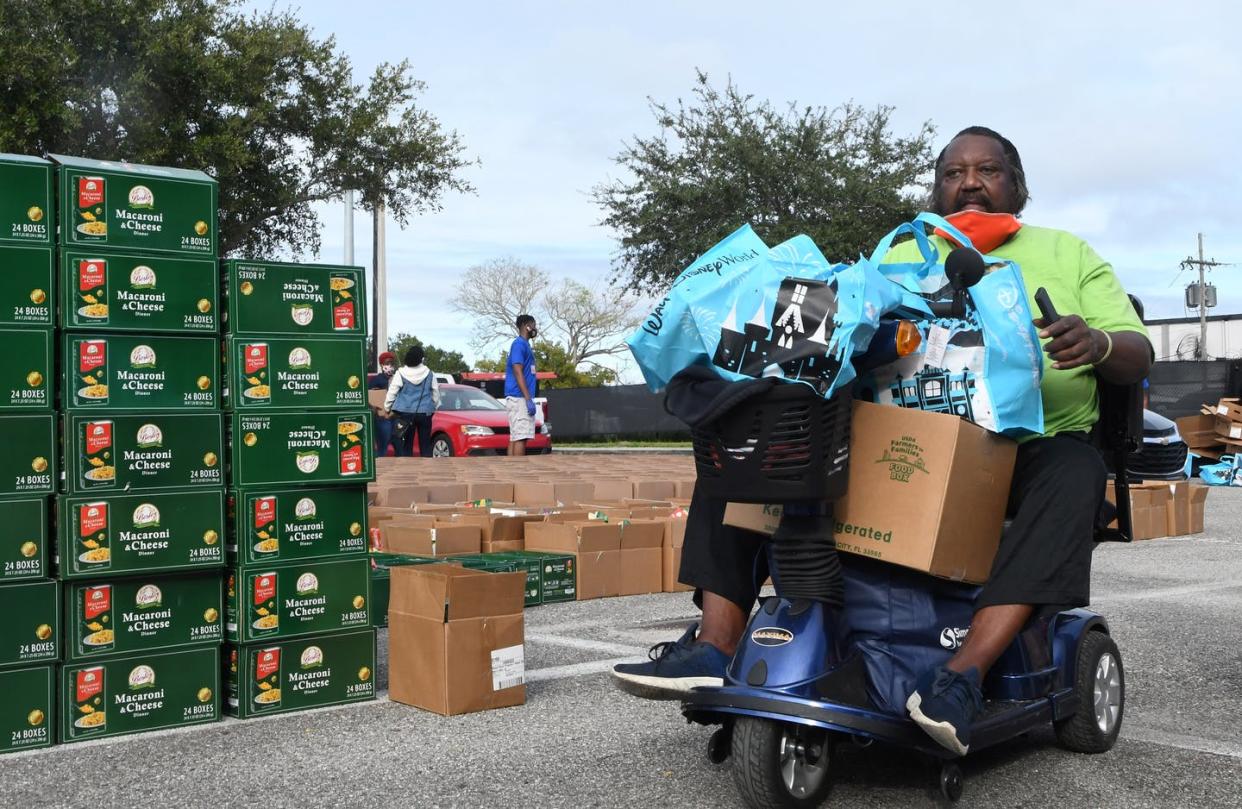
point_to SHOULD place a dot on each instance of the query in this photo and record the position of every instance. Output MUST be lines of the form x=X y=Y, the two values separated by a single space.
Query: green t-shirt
x=1078 y=282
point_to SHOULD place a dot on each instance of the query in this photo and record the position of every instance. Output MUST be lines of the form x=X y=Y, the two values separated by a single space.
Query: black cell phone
x=1046 y=309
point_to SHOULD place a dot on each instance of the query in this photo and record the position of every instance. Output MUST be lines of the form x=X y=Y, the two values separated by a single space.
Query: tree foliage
x=552 y=357
x=439 y=360
x=583 y=324
x=839 y=175
x=255 y=100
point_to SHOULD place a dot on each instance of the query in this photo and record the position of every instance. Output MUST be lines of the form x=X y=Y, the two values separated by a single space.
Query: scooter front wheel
x=780 y=765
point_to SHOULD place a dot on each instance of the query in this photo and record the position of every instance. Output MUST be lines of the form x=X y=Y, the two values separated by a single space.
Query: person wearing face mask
x=520 y=385
x=380 y=381
x=1043 y=563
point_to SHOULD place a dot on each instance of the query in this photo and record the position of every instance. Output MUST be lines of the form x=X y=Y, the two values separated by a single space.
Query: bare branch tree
x=493 y=294
x=593 y=324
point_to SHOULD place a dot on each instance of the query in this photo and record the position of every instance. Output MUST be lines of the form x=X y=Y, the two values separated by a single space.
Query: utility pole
x=379 y=316
x=1203 y=265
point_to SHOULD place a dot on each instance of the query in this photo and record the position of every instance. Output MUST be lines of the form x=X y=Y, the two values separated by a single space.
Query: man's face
x=974 y=177
x=532 y=331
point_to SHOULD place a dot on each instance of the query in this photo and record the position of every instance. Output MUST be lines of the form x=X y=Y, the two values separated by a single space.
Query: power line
x=1204 y=265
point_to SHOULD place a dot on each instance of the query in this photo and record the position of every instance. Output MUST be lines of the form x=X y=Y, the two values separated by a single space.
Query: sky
x=1128 y=117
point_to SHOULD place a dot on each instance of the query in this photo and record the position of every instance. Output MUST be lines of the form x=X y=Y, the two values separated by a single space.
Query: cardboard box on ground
x=926 y=491
x=1215 y=431
x=1160 y=509
x=456 y=639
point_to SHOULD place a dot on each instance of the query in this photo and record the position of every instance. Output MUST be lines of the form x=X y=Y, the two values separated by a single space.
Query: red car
x=470 y=422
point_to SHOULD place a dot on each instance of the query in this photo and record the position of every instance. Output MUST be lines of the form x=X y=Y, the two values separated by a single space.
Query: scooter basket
x=784 y=445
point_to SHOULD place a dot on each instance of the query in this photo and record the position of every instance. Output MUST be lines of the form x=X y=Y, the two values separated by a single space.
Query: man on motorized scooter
x=1044 y=558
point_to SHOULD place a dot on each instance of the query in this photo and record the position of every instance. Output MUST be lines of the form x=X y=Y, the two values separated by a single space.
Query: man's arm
x=1122 y=357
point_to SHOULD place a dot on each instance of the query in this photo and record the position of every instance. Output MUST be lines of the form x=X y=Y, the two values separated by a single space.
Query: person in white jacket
x=413 y=396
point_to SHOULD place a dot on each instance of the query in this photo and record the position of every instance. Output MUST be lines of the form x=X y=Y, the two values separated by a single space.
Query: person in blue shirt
x=520 y=386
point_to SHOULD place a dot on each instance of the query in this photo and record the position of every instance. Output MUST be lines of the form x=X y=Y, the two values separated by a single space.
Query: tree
x=552 y=357
x=440 y=360
x=724 y=159
x=255 y=100
x=586 y=325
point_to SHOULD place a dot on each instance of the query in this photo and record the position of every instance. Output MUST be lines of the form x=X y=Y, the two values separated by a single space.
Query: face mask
x=388 y=369
x=987 y=231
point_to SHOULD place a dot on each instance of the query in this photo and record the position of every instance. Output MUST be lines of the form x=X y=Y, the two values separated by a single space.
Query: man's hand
x=388 y=414
x=1072 y=343
x=530 y=408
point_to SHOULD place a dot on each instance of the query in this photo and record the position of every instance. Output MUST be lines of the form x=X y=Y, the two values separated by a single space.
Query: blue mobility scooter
x=802 y=681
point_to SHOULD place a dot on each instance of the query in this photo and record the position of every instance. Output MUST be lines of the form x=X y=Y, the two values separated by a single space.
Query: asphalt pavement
x=1174 y=605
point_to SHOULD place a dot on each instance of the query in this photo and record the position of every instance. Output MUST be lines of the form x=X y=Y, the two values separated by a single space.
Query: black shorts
x=1044 y=556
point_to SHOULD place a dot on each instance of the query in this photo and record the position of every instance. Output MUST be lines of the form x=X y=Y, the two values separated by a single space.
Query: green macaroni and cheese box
x=27 y=286
x=293 y=675
x=28 y=710
x=133 y=207
x=23 y=540
x=28 y=462
x=289 y=600
x=25 y=369
x=127 y=452
x=558 y=578
x=276 y=299
x=123 y=616
x=115 y=291
x=26 y=201
x=136 y=693
x=30 y=632
x=111 y=534
x=321 y=373
x=309 y=447
x=282 y=525
x=139 y=372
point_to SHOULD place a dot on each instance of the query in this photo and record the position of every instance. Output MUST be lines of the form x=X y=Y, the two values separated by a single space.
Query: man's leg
x=727 y=566
x=517 y=448
x=1044 y=558
x=383 y=434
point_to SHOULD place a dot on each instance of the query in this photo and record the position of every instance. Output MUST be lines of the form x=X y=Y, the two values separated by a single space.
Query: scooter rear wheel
x=780 y=765
x=1101 y=687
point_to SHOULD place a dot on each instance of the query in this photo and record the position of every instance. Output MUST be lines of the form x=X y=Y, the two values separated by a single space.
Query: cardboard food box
x=596 y=548
x=171 y=532
x=1184 y=508
x=642 y=557
x=926 y=491
x=674 y=540
x=308 y=373
x=27 y=210
x=25 y=369
x=456 y=636
x=280 y=524
x=267 y=299
x=442 y=539
x=104 y=290
x=1149 y=510
x=295 y=675
x=23 y=541
x=133 y=207
x=137 y=693
x=28 y=710
x=294 y=599
x=139 y=372
x=294 y=447
x=28 y=464
x=1230 y=409
x=124 y=452
x=30 y=634
x=1198 y=431
x=27 y=286
x=126 y=616
x=607 y=490
x=381 y=583
x=498 y=527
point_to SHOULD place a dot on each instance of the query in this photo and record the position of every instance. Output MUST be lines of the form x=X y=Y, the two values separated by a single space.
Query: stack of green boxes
x=140 y=521
x=29 y=599
x=297 y=595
